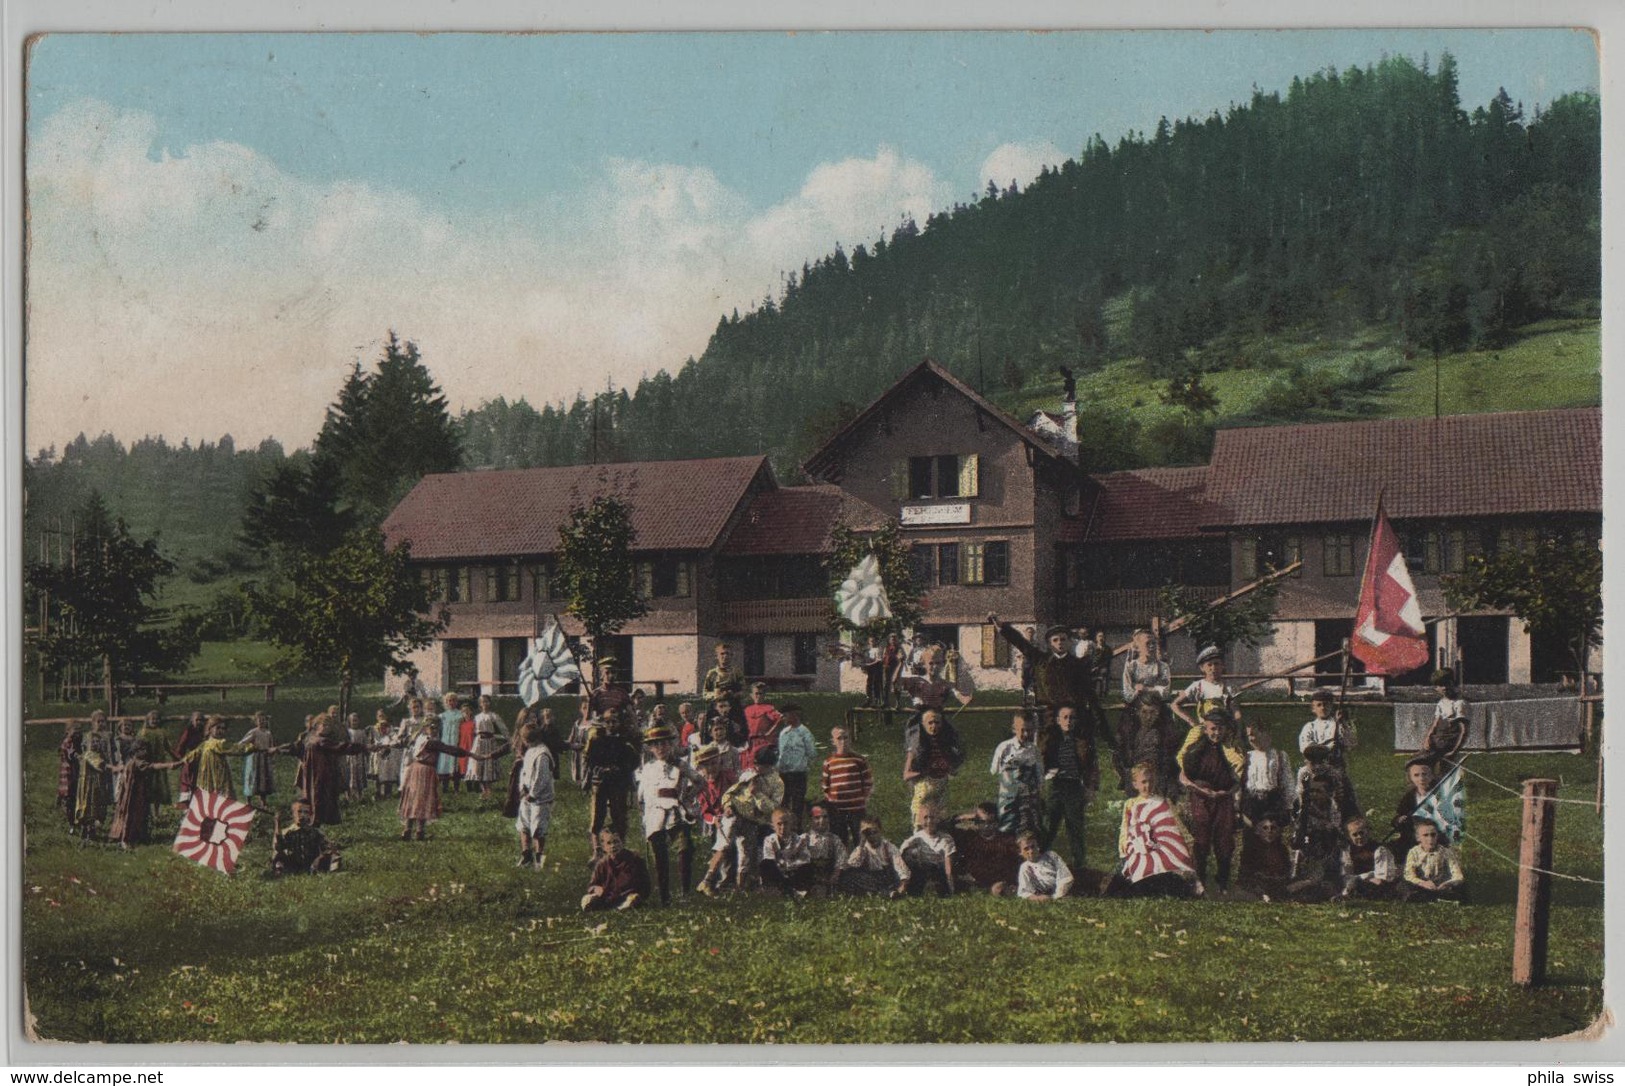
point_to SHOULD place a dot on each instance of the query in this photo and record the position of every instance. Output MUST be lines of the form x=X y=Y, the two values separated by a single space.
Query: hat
x=660 y=733
x=706 y=755
x=1065 y=631
x=607 y=661
x=1212 y=652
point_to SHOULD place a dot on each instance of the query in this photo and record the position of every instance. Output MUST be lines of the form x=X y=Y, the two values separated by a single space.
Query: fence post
x=1534 y=887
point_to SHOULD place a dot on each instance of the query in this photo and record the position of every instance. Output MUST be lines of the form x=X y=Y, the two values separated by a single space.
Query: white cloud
x=212 y=292
x=1018 y=162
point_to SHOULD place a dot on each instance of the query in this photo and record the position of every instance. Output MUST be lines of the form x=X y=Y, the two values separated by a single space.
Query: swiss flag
x=1388 y=634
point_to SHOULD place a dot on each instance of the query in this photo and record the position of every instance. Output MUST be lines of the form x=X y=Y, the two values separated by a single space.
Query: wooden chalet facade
x=1002 y=518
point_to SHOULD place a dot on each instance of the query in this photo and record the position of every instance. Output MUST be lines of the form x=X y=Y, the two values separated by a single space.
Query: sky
x=221 y=225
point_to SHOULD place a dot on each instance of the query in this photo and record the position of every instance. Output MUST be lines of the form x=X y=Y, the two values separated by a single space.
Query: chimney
x=1069 y=425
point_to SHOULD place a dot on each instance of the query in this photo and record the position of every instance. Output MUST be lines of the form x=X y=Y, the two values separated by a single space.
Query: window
x=511 y=651
x=434 y=580
x=923 y=557
x=804 y=654
x=501 y=584
x=948 y=563
x=1337 y=555
x=457 y=585
x=662 y=578
x=942 y=476
x=544 y=582
x=1436 y=549
x=755 y=654
x=1261 y=554
x=985 y=563
x=462 y=662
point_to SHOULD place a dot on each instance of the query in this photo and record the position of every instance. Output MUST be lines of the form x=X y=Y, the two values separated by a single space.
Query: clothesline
x=1505 y=788
x=1519 y=864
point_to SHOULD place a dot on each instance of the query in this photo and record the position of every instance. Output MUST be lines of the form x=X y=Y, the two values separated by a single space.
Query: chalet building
x=1001 y=517
x=722 y=553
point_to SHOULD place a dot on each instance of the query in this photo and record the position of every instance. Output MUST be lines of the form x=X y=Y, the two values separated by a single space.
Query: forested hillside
x=1360 y=205
x=1313 y=254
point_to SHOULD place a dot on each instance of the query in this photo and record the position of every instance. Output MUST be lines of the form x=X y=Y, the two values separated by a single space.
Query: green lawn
x=447 y=940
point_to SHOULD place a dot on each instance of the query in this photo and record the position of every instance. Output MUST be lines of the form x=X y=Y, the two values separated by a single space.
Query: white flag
x=549 y=668
x=861 y=599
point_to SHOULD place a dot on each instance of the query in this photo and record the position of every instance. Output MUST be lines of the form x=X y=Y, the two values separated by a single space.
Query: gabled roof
x=1505 y=463
x=675 y=505
x=798 y=520
x=932 y=368
x=1145 y=504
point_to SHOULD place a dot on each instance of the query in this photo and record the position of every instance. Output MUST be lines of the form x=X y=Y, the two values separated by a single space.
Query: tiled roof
x=798 y=520
x=676 y=505
x=1516 y=462
x=1146 y=504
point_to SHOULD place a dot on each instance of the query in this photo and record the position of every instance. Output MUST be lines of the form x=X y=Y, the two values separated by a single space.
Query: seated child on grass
x=786 y=861
x=874 y=866
x=987 y=858
x=929 y=855
x=1368 y=868
x=826 y=850
x=1266 y=864
x=1154 y=848
x=1433 y=869
x=620 y=880
x=301 y=849
x=1044 y=876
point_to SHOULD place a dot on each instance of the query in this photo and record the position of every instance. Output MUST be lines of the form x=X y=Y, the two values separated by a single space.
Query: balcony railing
x=1126 y=606
x=776 y=616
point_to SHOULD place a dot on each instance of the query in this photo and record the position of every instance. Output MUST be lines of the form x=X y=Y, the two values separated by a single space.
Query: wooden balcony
x=776 y=616
x=1124 y=606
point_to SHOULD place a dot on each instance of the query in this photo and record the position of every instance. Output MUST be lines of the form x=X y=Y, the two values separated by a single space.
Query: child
x=747 y=808
x=824 y=848
x=664 y=783
x=482 y=770
x=1206 y=694
x=1211 y=771
x=724 y=681
x=1267 y=787
x=1325 y=730
x=258 y=779
x=420 y=793
x=191 y=735
x=874 y=866
x=987 y=859
x=786 y=860
x=1073 y=772
x=1432 y=869
x=1019 y=768
x=610 y=760
x=723 y=745
x=847 y=782
x=715 y=780
x=466 y=730
x=535 y=816
x=67 y=776
x=796 y=753
x=208 y=760
x=405 y=733
x=578 y=739
x=929 y=765
x=386 y=758
x=1153 y=847
x=451 y=723
x=1448 y=732
x=761 y=725
x=1146 y=730
x=1368 y=868
x=929 y=856
x=1323 y=806
x=733 y=721
x=620 y=878
x=1043 y=876
x=1266 y=864
x=1419 y=774
x=355 y=765
x=301 y=849
x=690 y=734
x=158 y=793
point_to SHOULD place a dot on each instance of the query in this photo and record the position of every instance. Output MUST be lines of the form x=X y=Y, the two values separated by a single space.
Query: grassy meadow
x=447 y=940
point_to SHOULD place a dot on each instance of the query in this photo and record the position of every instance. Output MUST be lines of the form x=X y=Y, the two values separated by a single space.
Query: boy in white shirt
x=1019 y=767
x=874 y=866
x=1044 y=876
x=1267 y=787
x=825 y=849
x=929 y=856
x=1368 y=868
x=1433 y=869
x=786 y=861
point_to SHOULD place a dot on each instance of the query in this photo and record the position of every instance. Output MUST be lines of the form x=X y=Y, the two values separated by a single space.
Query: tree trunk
x=346 y=681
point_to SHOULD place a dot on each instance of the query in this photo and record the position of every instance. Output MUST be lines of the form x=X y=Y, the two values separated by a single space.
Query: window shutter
x=990 y=645
x=1249 y=557
x=969 y=475
x=899 y=480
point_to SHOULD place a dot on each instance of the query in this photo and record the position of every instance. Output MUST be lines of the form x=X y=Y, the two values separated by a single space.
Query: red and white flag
x=1389 y=637
x=213 y=830
x=1154 y=843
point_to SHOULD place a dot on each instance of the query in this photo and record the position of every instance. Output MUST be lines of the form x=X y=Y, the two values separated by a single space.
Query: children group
x=728 y=790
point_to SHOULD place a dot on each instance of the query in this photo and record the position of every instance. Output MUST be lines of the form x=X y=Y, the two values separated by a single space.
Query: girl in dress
x=482 y=769
x=355 y=764
x=385 y=767
x=258 y=779
x=420 y=789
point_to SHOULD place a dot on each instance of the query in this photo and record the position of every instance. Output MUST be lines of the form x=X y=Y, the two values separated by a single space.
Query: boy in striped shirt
x=847 y=783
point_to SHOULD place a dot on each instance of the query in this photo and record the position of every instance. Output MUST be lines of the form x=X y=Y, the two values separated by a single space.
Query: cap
x=1065 y=631
x=607 y=661
x=706 y=755
x=660 y=733
x=1212 y=652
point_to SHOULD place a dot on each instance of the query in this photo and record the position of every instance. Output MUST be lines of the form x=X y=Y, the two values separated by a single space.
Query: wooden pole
x=1179 y=623
x=1534 y=886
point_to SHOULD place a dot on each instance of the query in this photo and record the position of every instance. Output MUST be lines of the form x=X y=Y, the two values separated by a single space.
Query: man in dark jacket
x=1060 y=677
